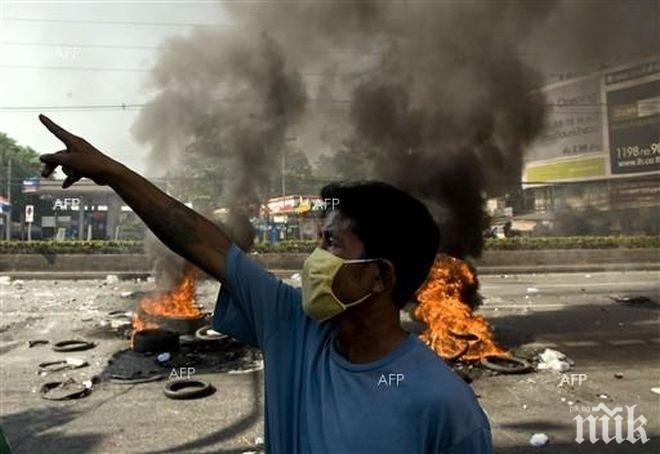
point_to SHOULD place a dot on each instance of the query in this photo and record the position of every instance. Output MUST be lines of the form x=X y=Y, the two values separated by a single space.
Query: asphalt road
x=572 y=313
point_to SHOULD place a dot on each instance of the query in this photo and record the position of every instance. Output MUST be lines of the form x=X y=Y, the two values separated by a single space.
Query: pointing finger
x=51 y=161
x=59 y=132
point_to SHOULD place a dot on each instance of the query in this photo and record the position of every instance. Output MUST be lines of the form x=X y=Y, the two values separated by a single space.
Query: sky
x=61 y=57
x=79 y=61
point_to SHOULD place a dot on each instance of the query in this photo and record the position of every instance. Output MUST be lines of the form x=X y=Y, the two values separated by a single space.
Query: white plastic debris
x=539 y=439
x=119 y=324
x=151 y=279
x=655 y=390
x=532 y=290
x=111 y=279
x=164 y=357
x=259 y=441
x=76 y=362
x=88 y=384
x=554 y=360
x=5 y=280
x=603 y=396
x=296 y=279
x=17 y=283
x=587 y=276
x=126 y=294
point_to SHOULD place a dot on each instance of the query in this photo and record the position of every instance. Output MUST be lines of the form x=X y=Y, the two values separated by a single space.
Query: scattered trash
x=655 y=390
x=63 y=390
x=126 y=294
x=111 y=279
x=151 y=279
x=5 y=280
x=17 y=283
x=34 y=342
x=563 y=399
x=164 y=357
x=68 y=363
x=632 y=300
x=618 y=375
x=603 y=396
x=554 y=360
x=72 y=345
x=206 y=332
x=587 y=276
x=188 y=389
x=119 y=324
x=539 y=439
x=524 y=406
x=532 y=290
x=259 y=441
x=570 y=402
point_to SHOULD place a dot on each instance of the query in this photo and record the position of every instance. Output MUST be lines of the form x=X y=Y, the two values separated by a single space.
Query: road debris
x=34 y=342
x=58 y=365
x=188 y=389
x=554 y=360
x=539 y=439
x=64 y=390
x=531 y=290
x=164 y=357
x=618 y=375
x=5 y=280
x=111 y=279
x=655 y=390
x=73 y=345
x=633 y=300
x=506 y=364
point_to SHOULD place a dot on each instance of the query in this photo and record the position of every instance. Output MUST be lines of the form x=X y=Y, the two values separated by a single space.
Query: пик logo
x=635 y=426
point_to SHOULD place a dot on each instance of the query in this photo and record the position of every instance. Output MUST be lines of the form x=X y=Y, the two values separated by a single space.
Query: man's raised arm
x=180 y=228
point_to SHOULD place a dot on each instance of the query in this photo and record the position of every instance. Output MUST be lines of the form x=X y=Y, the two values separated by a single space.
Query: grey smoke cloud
x=433 y=97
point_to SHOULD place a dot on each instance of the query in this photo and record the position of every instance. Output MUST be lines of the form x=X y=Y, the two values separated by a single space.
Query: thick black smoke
x=436 y=98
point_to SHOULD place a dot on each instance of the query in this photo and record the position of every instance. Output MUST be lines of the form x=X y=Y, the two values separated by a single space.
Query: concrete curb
x=287 y=273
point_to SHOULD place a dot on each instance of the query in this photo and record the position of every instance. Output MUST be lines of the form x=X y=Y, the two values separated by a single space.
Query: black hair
x=392 y=225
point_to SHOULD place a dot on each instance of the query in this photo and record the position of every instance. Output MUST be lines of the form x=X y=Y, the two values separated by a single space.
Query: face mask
x=319 y=271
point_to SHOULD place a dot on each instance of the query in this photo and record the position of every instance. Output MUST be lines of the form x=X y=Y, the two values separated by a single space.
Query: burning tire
x=155 y=341
x=188 y=389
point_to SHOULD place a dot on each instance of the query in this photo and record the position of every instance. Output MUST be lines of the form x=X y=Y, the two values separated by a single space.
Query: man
x=341 y=374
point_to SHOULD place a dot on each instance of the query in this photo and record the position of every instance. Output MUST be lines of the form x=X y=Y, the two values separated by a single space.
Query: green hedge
x=71 y=247
x=573 y=242
x=521 y=243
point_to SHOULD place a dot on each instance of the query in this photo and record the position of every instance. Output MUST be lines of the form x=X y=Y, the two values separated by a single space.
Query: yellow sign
x=593 y=166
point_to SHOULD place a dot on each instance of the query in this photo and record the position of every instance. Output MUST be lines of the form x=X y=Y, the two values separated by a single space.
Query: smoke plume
x=436 y=98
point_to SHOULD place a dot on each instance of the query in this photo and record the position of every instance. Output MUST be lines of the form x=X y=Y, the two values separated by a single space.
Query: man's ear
x=386 y=277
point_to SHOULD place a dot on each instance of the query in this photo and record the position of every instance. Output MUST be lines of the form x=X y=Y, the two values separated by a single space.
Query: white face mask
x=319 y=271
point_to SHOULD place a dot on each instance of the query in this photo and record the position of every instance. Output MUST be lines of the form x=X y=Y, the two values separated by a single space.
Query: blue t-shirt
x=318 y=402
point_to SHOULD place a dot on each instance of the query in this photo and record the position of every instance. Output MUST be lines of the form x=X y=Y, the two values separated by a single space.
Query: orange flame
x=453 y=331
x=179 y=301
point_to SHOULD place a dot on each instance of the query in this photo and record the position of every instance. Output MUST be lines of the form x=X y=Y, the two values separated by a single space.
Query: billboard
x=571 y=146
x=605 y=125
x=633 y=116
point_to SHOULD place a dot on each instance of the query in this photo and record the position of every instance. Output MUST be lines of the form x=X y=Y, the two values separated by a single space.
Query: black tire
x=188 y=389
x=155 y=341
x=73 y=345
x=517 y=365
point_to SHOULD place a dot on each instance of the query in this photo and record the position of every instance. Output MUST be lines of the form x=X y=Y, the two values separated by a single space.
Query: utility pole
x=8 y=217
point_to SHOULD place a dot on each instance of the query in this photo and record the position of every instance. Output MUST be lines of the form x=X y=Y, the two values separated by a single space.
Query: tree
x=24 y=164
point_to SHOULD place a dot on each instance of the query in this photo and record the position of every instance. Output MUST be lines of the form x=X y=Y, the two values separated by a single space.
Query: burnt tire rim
x=73 y=345
x=506 y=364
x=188 y=389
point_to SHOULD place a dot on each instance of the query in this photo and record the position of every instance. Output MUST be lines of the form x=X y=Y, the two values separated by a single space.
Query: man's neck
x=366 y=336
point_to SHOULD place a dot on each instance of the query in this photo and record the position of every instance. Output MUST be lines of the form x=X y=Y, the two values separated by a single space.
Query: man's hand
x=80 y=159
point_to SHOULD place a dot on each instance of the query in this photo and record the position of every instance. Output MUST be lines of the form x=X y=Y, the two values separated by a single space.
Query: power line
x=108 y=22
